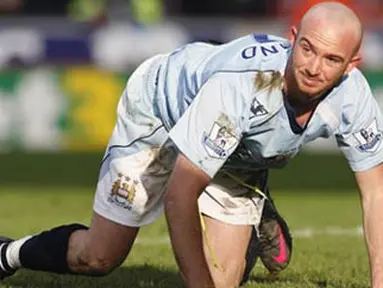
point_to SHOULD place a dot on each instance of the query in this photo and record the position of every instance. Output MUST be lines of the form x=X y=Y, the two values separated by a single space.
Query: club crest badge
x=219 y=141
x=123 y=191
x=369 y=138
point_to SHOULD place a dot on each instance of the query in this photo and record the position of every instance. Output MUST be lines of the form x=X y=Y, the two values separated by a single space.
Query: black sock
x=47 y=251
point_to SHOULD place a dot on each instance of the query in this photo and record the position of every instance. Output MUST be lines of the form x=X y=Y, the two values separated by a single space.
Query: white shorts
x=139 y=161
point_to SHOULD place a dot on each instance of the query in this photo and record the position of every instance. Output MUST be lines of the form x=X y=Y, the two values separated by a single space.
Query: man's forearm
x=373 y=227
x=185 y=233
x=181 y=209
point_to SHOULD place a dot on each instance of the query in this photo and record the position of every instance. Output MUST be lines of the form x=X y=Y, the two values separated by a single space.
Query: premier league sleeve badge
x=369 y=138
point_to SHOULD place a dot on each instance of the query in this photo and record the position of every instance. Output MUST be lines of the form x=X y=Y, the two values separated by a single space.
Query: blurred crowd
x=73 y=57
x=117 y=33
x=370 y=10
x=196 y=7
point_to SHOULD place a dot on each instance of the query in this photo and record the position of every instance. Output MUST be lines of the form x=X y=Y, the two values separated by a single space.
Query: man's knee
x=84 y=257
x=92 y=253
x=230 y=276
x=97 y=265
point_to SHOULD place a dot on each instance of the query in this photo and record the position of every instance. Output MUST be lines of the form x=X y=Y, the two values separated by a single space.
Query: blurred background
x=64 y=64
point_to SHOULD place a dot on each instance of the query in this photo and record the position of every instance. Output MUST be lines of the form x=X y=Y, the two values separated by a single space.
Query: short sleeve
x=211 y=128
x=360 y=140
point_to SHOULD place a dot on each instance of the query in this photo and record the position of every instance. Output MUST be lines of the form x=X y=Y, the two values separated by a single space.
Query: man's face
x=320 y=57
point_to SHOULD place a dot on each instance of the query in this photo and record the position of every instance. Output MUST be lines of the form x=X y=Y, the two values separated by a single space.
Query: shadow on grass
x=132 y=276
x=150 y=277
x=295 y=280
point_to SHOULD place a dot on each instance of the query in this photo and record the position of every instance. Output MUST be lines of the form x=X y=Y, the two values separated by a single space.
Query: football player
x=196 y=132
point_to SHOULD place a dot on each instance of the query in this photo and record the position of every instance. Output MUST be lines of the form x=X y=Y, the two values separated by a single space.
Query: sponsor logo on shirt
x=266 y=46
x=369 y=138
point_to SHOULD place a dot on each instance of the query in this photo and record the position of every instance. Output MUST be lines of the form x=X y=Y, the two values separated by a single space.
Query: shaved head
x=334 y=17
x=325 y=50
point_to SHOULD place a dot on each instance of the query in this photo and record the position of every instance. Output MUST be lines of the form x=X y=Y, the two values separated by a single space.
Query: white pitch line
x=297 y=234
x=328 y=231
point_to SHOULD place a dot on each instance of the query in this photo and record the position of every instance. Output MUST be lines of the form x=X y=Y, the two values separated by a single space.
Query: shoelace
x=213 y=255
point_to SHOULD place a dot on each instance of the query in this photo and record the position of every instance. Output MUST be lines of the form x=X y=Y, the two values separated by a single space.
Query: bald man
x=197 y=131
x=298 y=8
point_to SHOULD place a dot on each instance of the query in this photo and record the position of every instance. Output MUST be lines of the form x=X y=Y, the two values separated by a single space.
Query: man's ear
x=355 y=61
x=293 y=34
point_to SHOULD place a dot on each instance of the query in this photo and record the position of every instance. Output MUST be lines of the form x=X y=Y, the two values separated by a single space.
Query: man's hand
x=370 y=183
x=181 y=209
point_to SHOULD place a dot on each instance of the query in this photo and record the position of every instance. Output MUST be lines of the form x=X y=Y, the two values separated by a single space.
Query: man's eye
x=333 y=61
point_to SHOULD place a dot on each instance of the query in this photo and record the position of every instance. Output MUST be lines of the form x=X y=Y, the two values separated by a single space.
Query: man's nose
x=313 y=66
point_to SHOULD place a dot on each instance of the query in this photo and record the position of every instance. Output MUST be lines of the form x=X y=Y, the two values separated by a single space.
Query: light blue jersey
x=223 y=107
x=207 y=98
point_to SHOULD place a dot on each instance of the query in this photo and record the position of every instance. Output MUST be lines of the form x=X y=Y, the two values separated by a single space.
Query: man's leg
x=231 y=211
x=232 y=250
x=225 y=248
x=71 y=249
x=121 y=195
x=271 y=242
x=100 y=249
x=232 y=203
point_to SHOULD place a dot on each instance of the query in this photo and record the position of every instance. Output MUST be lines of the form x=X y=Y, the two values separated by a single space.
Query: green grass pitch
x=328 y=250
